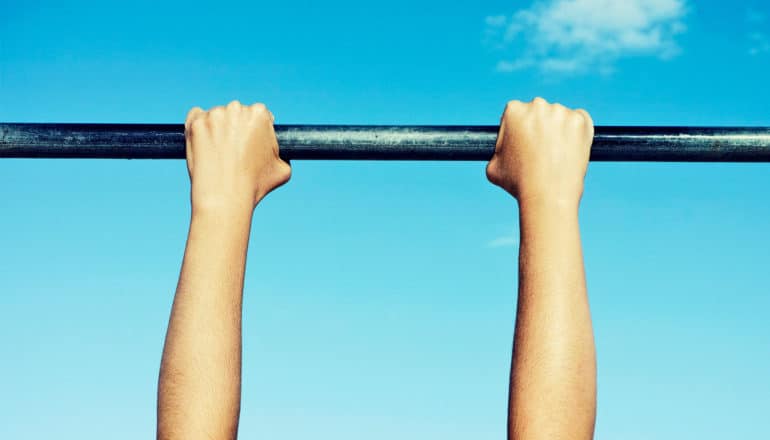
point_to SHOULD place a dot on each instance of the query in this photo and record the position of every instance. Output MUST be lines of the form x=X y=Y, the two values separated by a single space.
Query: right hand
x=542 y=152
x=232 y=156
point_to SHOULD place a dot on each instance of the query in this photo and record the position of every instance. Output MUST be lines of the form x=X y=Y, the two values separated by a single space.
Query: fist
x=542 y=152
x=232 y=156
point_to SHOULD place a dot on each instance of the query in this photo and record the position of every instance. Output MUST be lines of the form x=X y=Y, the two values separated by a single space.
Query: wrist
x=222 y=210
x=548 y=205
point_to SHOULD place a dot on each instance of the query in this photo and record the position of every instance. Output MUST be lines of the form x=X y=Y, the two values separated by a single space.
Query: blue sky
x=380 y=296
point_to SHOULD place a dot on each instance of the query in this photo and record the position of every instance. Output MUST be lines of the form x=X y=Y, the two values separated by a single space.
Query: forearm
x=200 y=375
x=553 y=376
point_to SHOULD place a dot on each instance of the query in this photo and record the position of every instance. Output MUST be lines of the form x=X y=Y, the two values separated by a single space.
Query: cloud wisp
x=577 y=36
x=510 y=240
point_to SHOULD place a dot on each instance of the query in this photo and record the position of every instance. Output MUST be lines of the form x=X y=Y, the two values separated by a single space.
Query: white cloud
x=572 y=36
x=511 y=240
x=510 y=66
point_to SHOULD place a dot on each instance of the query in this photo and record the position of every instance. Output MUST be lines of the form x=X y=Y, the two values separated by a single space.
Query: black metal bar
x=166 y=141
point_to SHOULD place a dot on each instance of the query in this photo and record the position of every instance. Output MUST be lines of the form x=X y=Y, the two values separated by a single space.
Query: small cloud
x=561 y=65
x=511 y=240
x=574 y=36
x=512 y=66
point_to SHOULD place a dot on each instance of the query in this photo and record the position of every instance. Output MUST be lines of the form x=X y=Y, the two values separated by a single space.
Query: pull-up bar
x=361 y=142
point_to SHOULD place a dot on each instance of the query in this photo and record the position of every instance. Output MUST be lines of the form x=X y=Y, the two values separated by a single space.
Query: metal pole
x=342 y=142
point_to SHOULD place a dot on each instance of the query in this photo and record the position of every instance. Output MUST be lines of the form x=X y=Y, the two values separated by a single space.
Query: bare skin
x=232 y=157
x=541 y=159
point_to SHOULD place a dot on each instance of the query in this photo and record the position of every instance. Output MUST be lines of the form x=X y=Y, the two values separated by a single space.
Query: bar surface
x=361 y=142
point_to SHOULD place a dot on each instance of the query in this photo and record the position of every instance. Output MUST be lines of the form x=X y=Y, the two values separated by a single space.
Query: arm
x=232 y=158
x=541 y=159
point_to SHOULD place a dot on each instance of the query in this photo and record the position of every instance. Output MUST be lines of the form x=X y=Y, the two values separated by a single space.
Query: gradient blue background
x=379 y=299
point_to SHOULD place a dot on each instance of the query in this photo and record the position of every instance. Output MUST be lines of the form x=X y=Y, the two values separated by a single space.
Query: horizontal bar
x=361 y=142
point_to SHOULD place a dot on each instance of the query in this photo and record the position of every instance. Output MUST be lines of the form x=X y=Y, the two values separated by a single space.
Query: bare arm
x=541 y=159
x=232 y=157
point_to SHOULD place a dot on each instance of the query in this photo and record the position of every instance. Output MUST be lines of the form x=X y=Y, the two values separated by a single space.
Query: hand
x=232 y=156
x=542 y=152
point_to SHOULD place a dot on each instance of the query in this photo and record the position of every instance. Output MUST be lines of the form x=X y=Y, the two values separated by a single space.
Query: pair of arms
x=540 y=158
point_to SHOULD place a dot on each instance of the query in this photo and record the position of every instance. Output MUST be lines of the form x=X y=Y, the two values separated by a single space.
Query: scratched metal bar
x=348 y=142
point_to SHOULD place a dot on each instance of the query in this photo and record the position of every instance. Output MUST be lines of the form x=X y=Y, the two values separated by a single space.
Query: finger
x=512 y=108
x=234 y=105
x=216 y=112
x=191 y=115
x=258 y=108
x=276 y=147
x=500 y=137
x=560 y=107
x=586 y=115
x=262 y=109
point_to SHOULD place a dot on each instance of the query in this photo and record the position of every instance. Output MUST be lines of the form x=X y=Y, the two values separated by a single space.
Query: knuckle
x=586 y=116
x=538 y=101
x=217 y=112
x=259 y=108
x=260 y=112
x=512 y=106
x=193 y=113
x=234 y=103
x=583 y=120
x=197 y=124
x=559 y=112
x=561 y=108
x=576 y=118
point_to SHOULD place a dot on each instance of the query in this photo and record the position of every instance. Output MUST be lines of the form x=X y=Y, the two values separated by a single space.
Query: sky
x=380 y=297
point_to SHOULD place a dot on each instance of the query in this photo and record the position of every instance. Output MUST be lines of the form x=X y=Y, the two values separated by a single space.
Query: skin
x=540 y=158
x=232 y=158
